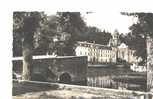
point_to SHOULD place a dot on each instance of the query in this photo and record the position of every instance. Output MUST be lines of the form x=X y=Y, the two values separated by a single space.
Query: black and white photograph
x=82 y=55
x=76 y=49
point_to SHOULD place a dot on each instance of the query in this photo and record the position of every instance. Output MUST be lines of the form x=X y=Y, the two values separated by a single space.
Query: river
x=117 y=78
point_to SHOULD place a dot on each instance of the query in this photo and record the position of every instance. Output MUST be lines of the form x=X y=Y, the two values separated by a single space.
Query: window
x=86 y=53
x=80 y=53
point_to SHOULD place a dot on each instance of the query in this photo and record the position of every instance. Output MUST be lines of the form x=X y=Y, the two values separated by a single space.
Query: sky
x=110 y=21
x=107 y=20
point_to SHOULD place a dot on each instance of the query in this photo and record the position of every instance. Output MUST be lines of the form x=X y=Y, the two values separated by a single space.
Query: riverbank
x=45 y=90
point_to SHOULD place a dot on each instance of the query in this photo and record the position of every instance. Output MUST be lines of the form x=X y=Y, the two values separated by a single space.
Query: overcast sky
x=107 y=20
x=110 y=21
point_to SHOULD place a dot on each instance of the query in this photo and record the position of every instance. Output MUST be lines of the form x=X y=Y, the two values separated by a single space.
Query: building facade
x=127 y=54
x=96 y=53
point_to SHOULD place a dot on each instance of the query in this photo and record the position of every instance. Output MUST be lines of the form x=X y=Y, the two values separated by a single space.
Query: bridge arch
x=65 y=78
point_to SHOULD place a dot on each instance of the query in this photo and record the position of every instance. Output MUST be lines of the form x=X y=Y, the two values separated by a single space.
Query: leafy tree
x=63 y=23
x=144 y=25
x=140 y=31
x=93 y=34
x=51 y=26
x=71 y=23
x=25 y=25
x=44 y=36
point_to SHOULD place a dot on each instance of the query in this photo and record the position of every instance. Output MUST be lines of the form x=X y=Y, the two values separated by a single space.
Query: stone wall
x=58 y=68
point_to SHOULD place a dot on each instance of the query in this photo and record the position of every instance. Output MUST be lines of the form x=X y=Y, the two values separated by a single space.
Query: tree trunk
x=27 y=49
x=149 y=64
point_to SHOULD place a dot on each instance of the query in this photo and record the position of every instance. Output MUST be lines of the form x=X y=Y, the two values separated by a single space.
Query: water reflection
x=117 y=78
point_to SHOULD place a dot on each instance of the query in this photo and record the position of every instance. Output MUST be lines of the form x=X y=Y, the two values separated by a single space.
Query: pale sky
x=110 y=21
x=107 y=20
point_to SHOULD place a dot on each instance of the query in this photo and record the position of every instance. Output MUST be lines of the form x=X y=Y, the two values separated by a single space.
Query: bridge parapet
x=52 y=68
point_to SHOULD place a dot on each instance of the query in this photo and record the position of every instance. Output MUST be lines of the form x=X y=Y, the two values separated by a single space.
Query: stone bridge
x=64 y=69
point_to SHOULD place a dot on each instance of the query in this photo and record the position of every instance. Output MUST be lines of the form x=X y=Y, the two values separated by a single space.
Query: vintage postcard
x=82 y=55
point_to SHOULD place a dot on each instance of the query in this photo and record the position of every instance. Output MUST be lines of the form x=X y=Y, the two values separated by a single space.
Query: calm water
x=117 y=78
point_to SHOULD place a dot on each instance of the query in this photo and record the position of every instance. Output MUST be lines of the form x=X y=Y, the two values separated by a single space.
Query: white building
x=96 y=53
x=106 y=53
x=127 y=54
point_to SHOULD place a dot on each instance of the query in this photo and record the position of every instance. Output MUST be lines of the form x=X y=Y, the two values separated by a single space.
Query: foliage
x=139 y=32
x=63 y=23
x=93 y=34
x=44 y=36
x=73 y=24
x=144 y=26
x=24 y=26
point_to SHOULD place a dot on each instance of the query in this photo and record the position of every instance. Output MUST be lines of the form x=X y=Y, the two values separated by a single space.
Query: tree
x=24 y=26
x=144 y=25
x=71 y=23
x=44 y=36
x=144 y=28
x=51 y=26
x=93 y=34
x=140 y=31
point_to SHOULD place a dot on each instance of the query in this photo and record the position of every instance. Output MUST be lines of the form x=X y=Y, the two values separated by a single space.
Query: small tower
x=114 y=41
